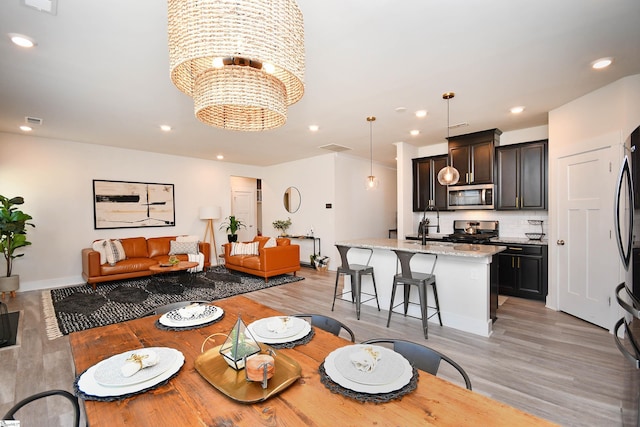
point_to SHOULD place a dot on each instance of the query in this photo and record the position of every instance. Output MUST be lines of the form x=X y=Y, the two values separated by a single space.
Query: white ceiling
x=100 y=73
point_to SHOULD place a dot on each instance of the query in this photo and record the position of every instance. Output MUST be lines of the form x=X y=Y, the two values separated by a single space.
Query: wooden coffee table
x=159 y=269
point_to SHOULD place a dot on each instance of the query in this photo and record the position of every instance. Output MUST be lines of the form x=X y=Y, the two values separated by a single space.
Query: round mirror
x=291 y=199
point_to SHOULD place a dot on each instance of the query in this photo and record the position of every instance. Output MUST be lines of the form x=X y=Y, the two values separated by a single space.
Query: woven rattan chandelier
x=242 y=62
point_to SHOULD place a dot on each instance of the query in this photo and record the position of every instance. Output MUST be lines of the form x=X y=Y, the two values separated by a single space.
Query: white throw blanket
x=199 y=258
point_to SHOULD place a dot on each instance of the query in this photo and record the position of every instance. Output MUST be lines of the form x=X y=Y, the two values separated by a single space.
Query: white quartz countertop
x=439 y=248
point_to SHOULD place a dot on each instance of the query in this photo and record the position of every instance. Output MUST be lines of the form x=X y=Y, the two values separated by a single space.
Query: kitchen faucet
x=424 y=224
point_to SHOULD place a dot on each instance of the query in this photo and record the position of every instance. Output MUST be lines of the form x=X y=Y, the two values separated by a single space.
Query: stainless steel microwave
x=478 y=196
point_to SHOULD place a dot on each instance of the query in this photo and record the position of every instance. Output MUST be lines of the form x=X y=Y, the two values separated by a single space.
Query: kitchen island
x=463 y=276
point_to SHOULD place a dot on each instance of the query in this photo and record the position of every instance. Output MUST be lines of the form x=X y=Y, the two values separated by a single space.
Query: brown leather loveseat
x=141 y=253
x=270 y=261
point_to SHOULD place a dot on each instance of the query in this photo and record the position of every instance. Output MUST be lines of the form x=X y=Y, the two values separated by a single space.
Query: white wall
x=613 y=109
x=55 y=178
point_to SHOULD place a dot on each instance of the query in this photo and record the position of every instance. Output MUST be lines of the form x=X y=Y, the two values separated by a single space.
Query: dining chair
x=74 y=401
x=356 y=271
x=408 y=278
x=173 y=306
x=421 y=356
x=328 y=324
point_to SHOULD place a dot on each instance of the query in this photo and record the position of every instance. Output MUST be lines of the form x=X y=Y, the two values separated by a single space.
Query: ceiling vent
x=32 y=120
x=48 y=6
x=459 y=125
x=335 y=147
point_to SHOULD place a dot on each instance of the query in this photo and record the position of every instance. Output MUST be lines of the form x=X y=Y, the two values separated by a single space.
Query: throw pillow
x=114 y=251
x=178 y=248
x=271 y=243
x=99 y=247
x=244 y=248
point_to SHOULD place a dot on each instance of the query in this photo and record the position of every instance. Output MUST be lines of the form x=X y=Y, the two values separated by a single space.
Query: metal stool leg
x=435 y=297
x=407 y=294
x=335 y=289
x=356 y=289
x=422 y=290
x=375 y=289
x=393 y=296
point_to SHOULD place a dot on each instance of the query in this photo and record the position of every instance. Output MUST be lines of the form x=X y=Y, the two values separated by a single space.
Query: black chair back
x=74 y=401
x=422 y=357
x=328 y=324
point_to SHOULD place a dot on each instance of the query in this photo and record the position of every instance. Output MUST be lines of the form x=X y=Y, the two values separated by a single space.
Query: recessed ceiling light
x=415 y=132
x=601 y=63
x=517 y=110
x=219 y=157
x=26 y=128
x=314 y=128
x=421 y=113
x=165 y=128
x=22 y=40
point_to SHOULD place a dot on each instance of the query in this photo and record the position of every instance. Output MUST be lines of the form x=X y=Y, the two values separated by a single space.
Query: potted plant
x=282 y=225
x=232 y=224
x=13 y=236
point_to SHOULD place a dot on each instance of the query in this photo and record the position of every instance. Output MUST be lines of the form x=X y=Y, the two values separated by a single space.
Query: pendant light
x=448 y=175
x=372 y=181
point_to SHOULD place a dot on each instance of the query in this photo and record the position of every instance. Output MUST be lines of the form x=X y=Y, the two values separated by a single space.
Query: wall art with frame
x=124 y=204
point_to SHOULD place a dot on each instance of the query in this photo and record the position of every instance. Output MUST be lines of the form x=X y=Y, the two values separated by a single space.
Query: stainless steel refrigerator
x=627 y=329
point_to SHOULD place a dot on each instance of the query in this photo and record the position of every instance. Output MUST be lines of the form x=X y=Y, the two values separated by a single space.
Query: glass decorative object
x=239 y=345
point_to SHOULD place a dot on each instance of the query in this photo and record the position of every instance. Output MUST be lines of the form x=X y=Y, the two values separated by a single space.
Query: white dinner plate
x=294 y=325
x=306 y=328
x=403 y=378
x=388 y=368
x=166 y=321
x=109 y=374
x=208 y=312
x=88 y=385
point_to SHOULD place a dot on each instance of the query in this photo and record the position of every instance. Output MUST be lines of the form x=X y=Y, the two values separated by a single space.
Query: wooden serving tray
x=213 y=368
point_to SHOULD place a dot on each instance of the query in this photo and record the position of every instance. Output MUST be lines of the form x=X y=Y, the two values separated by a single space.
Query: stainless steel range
x=465 y=231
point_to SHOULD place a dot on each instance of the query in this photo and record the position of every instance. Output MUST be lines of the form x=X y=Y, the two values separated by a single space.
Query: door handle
x=560 y=242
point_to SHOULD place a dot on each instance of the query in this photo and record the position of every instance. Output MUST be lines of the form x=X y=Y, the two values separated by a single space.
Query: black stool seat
x=408 y=278
x=356 y=271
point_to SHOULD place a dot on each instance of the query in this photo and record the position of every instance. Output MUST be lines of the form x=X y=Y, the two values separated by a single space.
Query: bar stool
x=356 y=271
x=408 y=278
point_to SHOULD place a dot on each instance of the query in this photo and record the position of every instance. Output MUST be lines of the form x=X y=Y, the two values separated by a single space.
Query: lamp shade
x=210 y=212
x=448 y=175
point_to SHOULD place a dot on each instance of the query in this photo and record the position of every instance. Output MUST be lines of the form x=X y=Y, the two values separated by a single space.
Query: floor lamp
x=209 y=213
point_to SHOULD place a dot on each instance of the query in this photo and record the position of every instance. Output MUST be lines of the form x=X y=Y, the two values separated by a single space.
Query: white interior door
x=243 y=206
x=587 y=254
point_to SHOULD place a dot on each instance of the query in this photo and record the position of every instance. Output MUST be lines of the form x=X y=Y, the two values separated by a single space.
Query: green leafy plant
x=13 y=229
x=282 y=225
x=232 y=225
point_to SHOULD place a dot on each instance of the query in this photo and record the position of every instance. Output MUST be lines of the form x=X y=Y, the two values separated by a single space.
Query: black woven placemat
x=368 y=397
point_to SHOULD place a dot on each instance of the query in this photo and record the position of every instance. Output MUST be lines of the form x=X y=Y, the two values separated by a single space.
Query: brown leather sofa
x=141 y=254
x=280 y=259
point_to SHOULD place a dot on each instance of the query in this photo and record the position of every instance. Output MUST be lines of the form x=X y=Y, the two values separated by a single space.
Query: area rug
x=79 y=307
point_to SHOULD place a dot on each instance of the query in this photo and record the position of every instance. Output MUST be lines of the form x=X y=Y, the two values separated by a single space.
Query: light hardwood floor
x=541 y=361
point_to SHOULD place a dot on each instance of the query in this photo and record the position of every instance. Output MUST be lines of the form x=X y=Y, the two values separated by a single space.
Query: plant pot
x=10 y=284
x=232 y=238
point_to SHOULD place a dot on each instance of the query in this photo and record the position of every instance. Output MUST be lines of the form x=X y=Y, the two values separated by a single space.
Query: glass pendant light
x=448 y=175
x=372 y=181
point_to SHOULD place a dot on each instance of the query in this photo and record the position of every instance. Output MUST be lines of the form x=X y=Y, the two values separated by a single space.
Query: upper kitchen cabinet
x=521 y=176
x=427 y=191
x=472 y=155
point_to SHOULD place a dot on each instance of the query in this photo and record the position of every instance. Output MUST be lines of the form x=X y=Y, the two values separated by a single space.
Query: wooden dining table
x=189 y=400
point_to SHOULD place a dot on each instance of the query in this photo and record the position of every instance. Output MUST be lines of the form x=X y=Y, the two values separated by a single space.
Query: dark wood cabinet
x=472 y=155
x=426 y=188
x=522 y=271
x=521 y=176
